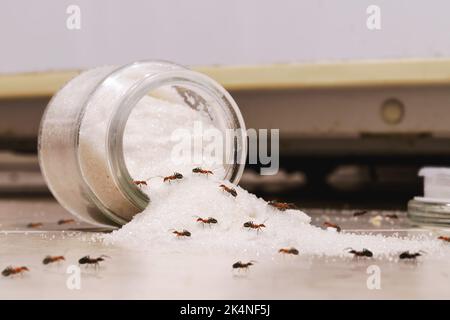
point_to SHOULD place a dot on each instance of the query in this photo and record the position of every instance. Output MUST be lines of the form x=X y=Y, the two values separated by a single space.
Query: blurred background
x=359 y=109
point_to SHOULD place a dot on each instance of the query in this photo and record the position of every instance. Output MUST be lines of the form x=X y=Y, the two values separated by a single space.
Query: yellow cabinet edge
x=266 y=77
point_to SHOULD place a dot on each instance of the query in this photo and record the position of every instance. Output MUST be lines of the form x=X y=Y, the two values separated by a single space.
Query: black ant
x=34 y=225
x=92 y=261
x=9 y=271
x=175 y=176
x=282 y=206
x=444 y=238
x=360 y=213
x=292 y=251
x=140 y=183
x=65 y=221
x=332 y=225
x=243 y=266
x=208 y=220
x=51 y=259
x=363 y=253
x=231 y=191
x=202 y=171
x=183 y=233
x=252 y=225
x=407 y=255
x=391 y=216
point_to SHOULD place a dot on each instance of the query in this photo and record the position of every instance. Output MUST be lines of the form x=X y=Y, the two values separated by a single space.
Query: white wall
x=34 y=36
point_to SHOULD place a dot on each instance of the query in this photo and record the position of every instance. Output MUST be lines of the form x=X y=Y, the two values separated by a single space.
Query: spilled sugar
x=177 y=205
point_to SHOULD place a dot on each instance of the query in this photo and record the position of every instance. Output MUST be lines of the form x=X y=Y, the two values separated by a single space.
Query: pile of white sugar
x=176 y=205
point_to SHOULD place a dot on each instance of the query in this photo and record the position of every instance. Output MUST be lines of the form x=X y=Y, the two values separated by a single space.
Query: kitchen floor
x=145 y=275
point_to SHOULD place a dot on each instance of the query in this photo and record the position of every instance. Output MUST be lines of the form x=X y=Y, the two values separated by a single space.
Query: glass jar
x=433 y=208
x=99 y=189
x=426 y=213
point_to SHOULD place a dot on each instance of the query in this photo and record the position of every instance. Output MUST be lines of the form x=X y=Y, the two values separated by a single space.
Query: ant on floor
x=52 y=259
x=292 y=251
x=10 y=271
x=363 y=253
x=243 y=266
x=87 y=260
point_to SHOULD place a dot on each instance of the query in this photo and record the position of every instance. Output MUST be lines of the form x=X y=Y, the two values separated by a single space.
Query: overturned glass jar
x=81 y=138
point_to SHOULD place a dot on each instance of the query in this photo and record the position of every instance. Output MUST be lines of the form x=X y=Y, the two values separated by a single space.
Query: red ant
x=444 y=238
x=35 y=225
x=208 y=220
x=92 y=261
x=252 y=225
x=175 y=176
x=332 y=225
x=243 y=266
x=282 y=206
x=51 y=259
x=363 y=253
x=231 y=191
x=140 y=183
x=183 y=233
x=408 y=255
x=292 y=251
x=65 y=221
x=9 y=271
x=360 y=213
x=202 y=171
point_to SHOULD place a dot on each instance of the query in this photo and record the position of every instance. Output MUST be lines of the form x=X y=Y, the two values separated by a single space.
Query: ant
x=9 y=271
x=363 y=253
x=231 y=191
x=175 y=176
x=92 y=261
x=282 y=206
x=65 y=221
x=360 y=213
x=51 y=259
x=183 y=233
x=444 y=238
x=202 y=171
x=35 y=225
x=243 y=266
x=140 y=183
x=332 y=225
x=289 y=251
x=408 y=255
x=391 y=216
x=208 y=220
x=252 y=225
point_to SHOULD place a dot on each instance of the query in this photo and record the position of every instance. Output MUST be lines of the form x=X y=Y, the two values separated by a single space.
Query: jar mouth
x=183 y=78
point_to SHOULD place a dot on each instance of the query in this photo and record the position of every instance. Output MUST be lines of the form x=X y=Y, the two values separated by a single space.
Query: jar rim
x=116 y=127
